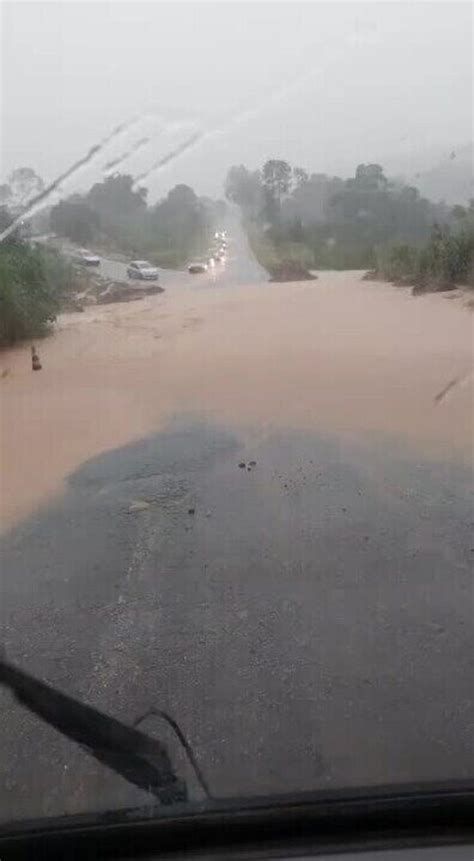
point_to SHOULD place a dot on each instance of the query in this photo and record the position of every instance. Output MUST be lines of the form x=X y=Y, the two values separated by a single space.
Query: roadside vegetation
x=34 y=284
x=296 y=221
x=36 y=281
x=445 y=261
x=114 y=216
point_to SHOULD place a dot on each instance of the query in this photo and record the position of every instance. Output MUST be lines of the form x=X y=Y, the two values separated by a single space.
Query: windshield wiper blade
x=129 y=752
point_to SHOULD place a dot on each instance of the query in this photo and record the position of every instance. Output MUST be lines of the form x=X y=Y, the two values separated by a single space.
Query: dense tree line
x=22 y=184
x=115 y=213
x=329 y=222
x=35 y=280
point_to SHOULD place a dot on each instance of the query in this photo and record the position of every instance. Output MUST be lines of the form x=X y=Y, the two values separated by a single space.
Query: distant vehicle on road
x=87 y=258
x=197 y=268
x=143 y=270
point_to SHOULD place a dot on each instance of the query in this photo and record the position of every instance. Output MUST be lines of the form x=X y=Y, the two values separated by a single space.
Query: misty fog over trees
x=115 y=214
x=34 y=281
x=367 y=221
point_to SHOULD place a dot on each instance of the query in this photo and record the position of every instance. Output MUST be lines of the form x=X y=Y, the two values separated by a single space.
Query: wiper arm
x=138 y=758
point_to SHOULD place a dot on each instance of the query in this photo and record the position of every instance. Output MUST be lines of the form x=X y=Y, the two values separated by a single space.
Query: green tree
x=370 y=177
x=32 y=284
x=24 y=184
x=276 y=178
x=300 y=177
x=459 y=212
x=75 y=220
x=181 y=220
x=244 y=188
x=115 y=199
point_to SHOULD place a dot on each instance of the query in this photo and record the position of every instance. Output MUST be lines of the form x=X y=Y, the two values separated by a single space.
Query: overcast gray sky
x=322 y=85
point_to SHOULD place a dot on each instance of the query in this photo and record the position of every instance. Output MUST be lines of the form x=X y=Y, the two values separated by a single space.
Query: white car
x=197 y=268
x=87 y=258
x=142 y=269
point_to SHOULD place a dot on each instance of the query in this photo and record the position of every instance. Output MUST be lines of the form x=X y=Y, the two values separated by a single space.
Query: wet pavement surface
x=306 y=619
x=240 y=267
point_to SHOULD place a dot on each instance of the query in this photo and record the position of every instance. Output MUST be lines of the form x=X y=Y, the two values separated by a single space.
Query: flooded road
x=337 y=355
x=249 y=506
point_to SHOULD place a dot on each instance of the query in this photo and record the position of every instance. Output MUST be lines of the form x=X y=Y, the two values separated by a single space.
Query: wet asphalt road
x=240 y=267
x=309 y=624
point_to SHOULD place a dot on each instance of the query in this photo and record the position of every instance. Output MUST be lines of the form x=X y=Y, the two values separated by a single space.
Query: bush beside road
x=35 y=283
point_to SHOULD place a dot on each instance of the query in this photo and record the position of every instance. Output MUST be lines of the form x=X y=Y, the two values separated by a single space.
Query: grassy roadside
x=306 y=255
x=443 y=262
x=292 y=259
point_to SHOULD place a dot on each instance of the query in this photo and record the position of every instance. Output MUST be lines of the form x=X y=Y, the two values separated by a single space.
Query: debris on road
x=116 y=291
x=96 y=290
x=291 y=270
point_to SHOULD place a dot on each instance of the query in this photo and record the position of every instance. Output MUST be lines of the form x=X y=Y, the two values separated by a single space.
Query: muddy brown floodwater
x=339 y=355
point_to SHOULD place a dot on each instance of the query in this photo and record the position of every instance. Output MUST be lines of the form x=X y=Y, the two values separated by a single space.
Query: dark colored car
x=197 y=268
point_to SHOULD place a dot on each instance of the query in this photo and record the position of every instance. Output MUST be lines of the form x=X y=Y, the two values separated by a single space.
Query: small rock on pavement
x=138 y=505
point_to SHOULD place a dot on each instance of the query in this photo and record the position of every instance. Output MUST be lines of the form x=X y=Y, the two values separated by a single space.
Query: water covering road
x=306 y=618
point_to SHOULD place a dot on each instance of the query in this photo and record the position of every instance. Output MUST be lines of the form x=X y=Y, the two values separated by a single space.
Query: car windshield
x=235 y=480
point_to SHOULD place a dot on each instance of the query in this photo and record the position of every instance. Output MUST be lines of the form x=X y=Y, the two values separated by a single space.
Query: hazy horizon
x=324 y=86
